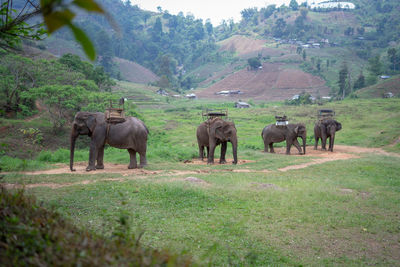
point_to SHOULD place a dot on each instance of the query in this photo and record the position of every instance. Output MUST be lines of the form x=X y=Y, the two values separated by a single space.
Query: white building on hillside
x=323 y=4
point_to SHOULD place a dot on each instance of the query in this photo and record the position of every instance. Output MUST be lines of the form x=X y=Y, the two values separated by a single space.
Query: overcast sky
x=216 y=10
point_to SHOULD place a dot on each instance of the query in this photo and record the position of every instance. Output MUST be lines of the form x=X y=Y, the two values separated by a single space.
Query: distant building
x=323 y=4
x=162 y=92
x=229 y=92
x=388 y=95
x=241 y=104
x=191 y=96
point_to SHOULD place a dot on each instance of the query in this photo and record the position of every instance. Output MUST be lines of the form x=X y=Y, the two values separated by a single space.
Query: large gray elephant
x=326 y=129
x=214 y=132
x=272 y=134
x=130 y=135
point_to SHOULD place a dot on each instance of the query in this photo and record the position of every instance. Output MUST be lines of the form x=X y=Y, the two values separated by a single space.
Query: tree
x=294 y=5
x=319 y=61
x=209 y=27
x=254 y=63
x=61 y=101
x=393 y=58
x=248 y=13
x=17 y=76
x=157 y=30
x=303 y=12
x=268 y=11
x=360 y=82
x=375 y=65
x=279 y=27
x=343 y=76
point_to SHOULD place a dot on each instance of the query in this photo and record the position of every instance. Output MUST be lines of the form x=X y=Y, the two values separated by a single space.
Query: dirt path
x=341 y=152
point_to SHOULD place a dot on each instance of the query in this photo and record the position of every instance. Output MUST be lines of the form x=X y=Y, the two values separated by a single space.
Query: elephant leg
x=133 y=162
x=271 y=148
x=143 y=160
x=201 y=152
x=211 y=154
x=222 y=159
x=100 y=156
x=297 y=145
x=288 y=146
x=208 y=151
x=92 y=157
x=331 y=141
x=323 y=143
x=316 y=143
x=265 y=146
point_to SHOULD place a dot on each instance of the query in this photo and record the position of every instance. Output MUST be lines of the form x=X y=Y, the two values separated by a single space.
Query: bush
x=34 y=236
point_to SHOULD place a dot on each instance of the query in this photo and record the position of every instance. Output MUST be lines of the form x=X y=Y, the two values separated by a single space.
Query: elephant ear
x=216 y=128
x=91 y=123
x=338 y=126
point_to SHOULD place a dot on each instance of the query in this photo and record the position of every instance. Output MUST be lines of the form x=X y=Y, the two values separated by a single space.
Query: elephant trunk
x=74 y=135
x=234 y=150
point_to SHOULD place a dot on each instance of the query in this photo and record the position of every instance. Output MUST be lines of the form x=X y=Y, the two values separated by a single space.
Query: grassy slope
x=337 y=213
x=34 y=236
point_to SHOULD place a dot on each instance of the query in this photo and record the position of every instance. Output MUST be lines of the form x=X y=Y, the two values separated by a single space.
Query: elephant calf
x=272 y=134
x=326 y=129
x=214 y=132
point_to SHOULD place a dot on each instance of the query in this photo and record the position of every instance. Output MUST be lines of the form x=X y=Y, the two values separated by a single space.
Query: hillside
x=271 y=83
x=376 y=91
x=133 y=72
x=245 y=47
x=192 y=54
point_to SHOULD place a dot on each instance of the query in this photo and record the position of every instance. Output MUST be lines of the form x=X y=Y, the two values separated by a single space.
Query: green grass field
x=343 y=212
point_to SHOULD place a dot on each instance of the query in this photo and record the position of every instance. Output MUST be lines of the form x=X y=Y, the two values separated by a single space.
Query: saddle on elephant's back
x=115 y=115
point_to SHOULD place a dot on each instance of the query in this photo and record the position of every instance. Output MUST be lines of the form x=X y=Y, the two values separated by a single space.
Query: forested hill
x=177 y=47
x=160 y=41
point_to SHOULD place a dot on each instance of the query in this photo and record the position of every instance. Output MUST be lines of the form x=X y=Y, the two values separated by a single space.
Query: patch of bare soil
x=272 y=83
x=81 y=169
x=204 y=162
x=340 y=152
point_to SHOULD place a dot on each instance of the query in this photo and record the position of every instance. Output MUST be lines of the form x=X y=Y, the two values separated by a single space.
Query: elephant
x=273 y=133
x=213 y=132
x=130 y=134
x=326 y=129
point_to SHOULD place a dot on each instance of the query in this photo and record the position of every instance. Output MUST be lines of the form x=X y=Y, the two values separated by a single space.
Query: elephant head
x=224 y=131
x=332 y=126
x=84 y=124
x=301 y=131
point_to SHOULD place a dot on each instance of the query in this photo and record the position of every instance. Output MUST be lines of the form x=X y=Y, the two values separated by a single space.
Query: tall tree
x=393 y=58
x=279 y=27
x=343 y=76
x=248 y=13
x=294 y=5
x=360 y=82
x=375 y=65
